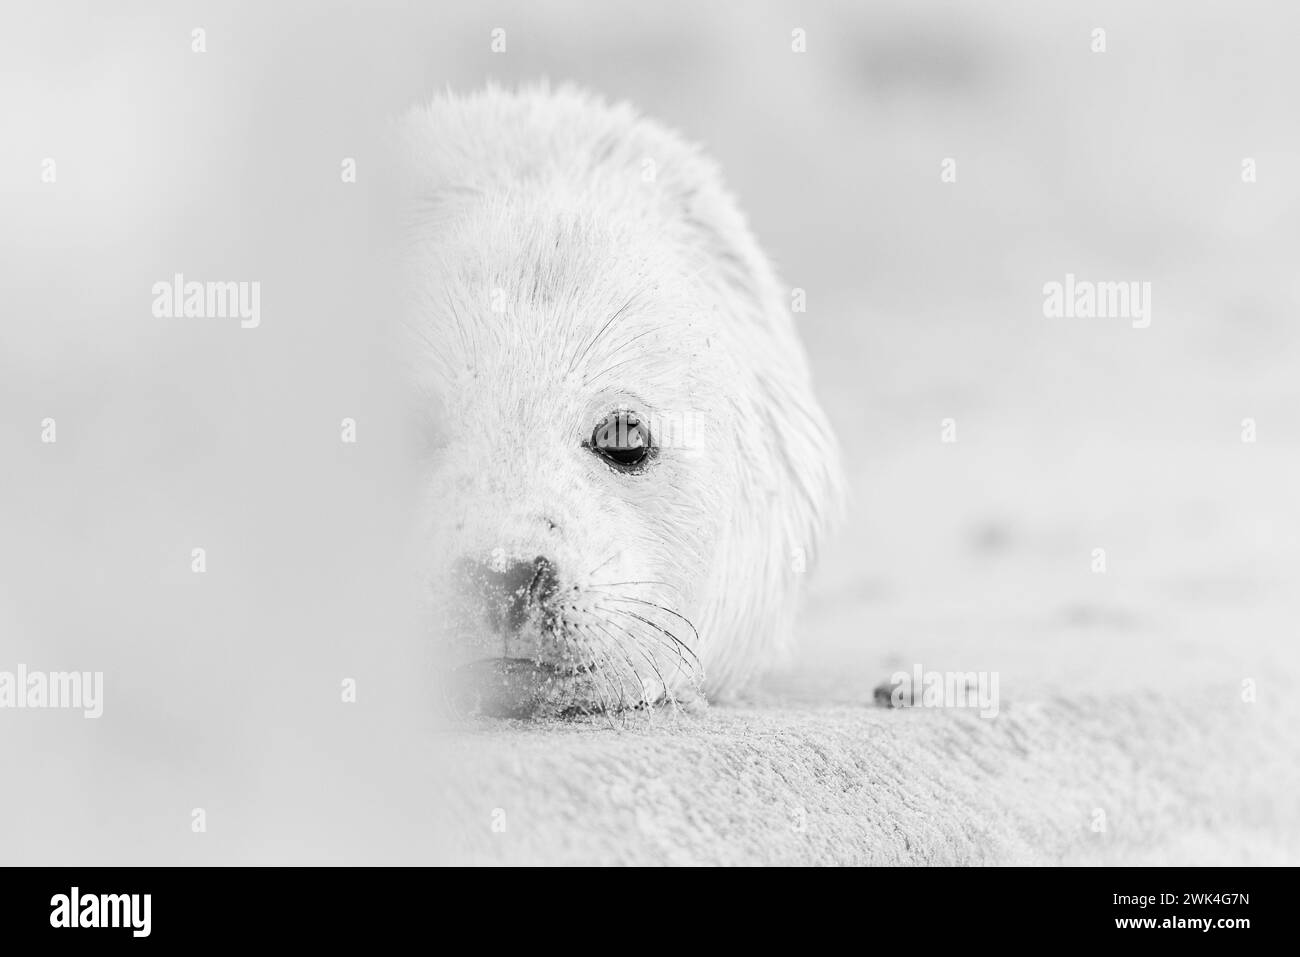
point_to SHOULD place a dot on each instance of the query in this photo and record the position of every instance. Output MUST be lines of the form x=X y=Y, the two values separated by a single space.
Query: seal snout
x=511 y=594
x=514 y=605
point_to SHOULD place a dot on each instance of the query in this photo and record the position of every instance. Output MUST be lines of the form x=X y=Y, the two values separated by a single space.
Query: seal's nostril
x=509 y=596
x=543 y=584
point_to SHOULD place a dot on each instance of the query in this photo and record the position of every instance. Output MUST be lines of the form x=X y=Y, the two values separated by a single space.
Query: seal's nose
x=513 y=593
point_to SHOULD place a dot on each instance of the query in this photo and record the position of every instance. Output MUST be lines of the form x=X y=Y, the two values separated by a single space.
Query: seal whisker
x=632 y=672
x=677 y=642
x=663 y=608
x=603 y=329
x=615 y=584
x=649 y=660
x=604 y=563
x=589 y=652
x=690 y=671
x=640 y=335
x=587 y=649
x=609 y=677
x=603 y=683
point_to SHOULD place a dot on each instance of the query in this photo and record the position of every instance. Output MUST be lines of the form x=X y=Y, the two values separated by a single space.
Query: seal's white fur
x=572 y=258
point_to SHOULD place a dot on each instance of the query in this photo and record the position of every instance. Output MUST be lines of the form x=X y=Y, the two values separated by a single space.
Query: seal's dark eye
x=622 y=440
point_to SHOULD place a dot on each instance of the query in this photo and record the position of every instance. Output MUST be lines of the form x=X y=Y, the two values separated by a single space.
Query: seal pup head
x=630 y=473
